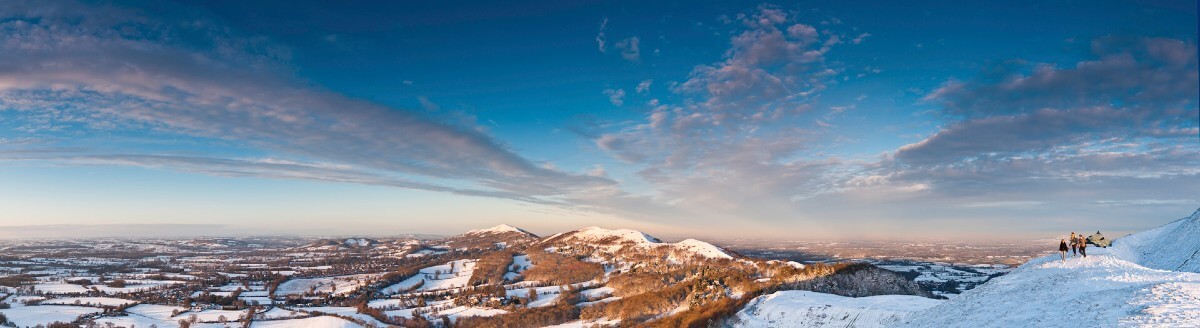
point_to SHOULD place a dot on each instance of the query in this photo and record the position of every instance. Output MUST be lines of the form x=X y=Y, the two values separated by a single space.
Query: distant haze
x=111 y=230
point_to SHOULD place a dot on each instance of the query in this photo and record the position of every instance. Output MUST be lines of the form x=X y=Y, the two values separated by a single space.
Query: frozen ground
x=448 y=309
x=809 y=309
x=1147 y=279
x=339 y=285
x=89 y=301
x=342 y=311
x=1120 y=286
x=454 y=274
x=22 y=315
x=522 y=263
x=1100 y=290
x=1174 y=246
x=314 y=322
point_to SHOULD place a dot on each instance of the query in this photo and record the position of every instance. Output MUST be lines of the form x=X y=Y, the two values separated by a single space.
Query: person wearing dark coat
x=1082 y=246
x=1074 y=244
x=1062 y=248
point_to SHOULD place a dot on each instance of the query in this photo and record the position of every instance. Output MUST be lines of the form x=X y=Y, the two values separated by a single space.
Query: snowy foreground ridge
x=1148 y=279
x=797 y=308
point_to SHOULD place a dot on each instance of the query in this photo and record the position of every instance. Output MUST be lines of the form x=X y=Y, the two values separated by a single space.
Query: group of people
x=1077 y=244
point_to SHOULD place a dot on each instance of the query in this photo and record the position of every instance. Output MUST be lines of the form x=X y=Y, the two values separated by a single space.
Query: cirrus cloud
x=97 y=67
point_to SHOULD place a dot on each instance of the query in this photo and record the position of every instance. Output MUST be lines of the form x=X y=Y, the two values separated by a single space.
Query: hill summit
x=500 y=229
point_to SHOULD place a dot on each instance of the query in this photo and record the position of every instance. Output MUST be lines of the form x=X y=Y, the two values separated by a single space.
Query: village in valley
x=483 y=278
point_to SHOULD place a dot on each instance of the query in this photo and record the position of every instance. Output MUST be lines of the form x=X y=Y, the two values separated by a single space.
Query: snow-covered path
x=1099 y=291
x=1148 y=279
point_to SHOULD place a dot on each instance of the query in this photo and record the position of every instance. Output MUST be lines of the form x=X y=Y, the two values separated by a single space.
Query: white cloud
x=726 y=148
x=644 y=86
x=600 y=40
x=859 y=39
x=630 y=50
x=615 y=96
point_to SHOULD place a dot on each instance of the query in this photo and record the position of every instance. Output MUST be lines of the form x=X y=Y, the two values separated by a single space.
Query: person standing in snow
x=1082 y=246
x=1074 y=245
x=1062 y=248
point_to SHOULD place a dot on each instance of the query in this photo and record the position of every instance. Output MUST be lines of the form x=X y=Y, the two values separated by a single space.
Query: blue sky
x=786 y=120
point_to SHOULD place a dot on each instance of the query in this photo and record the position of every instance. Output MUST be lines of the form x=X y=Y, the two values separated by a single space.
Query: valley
x=501 y=276
x=508 y=277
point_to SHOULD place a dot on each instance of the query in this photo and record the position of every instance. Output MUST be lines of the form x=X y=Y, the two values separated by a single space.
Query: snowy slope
x=314 y=322
x=614 y=238
x=1174 y=246
x=503 y=228
x=795 y=308
x=1122 y=286
x=1100 y=290
x=1111 y=287
x=338 y=285
x=453 y=274
x=703 y=249
x=619 y=235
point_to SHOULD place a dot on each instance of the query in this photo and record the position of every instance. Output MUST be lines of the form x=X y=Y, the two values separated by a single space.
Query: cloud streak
x=94 y=67
x=1119 y=126
x=726 y=149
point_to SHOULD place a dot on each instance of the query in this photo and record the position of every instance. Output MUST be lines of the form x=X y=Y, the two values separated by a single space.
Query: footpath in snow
x=1148 y=279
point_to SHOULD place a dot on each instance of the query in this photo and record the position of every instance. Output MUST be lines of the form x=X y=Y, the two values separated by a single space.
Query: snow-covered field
x=30 y=316
x=809 y=309
x=1100 y=290
x=60 y=287
x=1112 y=287
x=214 y=315
x=314 y=322
x=339 y=285
x=89 y=301
x=454 y=274
x=1148 y=279
x=586 y=324
x=448 y=309
x=342 y=311
x=281 y=313
x=522 y=263
x=936 y=275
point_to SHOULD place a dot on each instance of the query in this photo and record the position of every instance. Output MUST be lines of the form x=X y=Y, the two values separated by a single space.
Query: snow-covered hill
x=617 y=239
x=796 y=308
x=1101 y=290
x=497 y=237
x=614 y=236
x=1121 y=286
x=1174 y=246
x=500 y=229
x=702 y=249
x=1148 y=279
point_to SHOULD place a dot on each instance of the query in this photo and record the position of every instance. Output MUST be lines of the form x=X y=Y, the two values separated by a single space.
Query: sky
x=778 y=120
